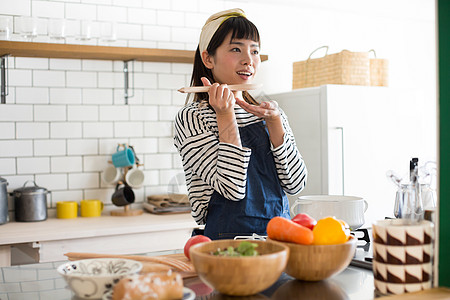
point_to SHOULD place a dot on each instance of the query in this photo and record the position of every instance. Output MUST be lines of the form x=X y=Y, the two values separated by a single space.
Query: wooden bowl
x=317 y=262
x=239 y=276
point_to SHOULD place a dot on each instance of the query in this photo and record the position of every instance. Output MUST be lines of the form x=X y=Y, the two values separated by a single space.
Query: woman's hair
x=240 y=28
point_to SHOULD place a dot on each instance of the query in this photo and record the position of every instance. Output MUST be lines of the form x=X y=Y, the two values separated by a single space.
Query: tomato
x=305 y=220
x=194 y=240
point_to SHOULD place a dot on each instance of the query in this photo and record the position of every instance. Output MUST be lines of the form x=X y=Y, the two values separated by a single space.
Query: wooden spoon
x=233 y=87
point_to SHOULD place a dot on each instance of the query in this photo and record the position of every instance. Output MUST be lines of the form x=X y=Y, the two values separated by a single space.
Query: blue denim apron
x=264 y=198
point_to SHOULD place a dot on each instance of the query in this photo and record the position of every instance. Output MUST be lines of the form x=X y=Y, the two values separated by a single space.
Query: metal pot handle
x=17 y=193
x=34 y=182
x=30 y=181
x=297 y=202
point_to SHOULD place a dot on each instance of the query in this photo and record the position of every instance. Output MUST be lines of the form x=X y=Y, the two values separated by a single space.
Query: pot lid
x=30 y=189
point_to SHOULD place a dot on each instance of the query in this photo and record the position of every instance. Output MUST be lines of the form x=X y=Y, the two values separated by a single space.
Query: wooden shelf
x=50 y=50
x=71 y=51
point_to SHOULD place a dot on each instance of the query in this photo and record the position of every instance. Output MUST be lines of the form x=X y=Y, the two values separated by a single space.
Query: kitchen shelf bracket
x=126 y=73
x=4 y=78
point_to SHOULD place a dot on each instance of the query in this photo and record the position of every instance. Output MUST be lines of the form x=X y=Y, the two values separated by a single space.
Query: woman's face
x=235 y=61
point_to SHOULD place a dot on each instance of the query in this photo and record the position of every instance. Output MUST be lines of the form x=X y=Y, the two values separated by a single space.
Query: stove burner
x=365 y=237
x=363 y=254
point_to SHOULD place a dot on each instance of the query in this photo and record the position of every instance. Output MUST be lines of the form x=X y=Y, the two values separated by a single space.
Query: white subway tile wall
x=20 y=77
x=65 y=117
x=31 y=63
x=16 y=148
x=50 y=112
x=32 y=95
x=66 y=164
x=8 y=166
x=47 y=9
x=65 y=64
x=32 y=130
x=24 y=282
x=65 y=96
x=30 y=165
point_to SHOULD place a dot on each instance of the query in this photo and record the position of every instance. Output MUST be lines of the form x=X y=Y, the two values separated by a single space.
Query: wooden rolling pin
x=175 y=263
x=233 y=87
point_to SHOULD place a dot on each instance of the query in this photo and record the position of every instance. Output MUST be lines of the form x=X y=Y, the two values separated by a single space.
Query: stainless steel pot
x=30 y=203
x=3 y=201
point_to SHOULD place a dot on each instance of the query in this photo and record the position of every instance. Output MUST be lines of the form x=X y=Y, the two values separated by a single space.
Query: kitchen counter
x=48 y=240
x=351 y=284
x=41 y=281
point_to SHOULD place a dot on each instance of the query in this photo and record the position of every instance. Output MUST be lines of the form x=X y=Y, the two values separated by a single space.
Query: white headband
x=213 y=23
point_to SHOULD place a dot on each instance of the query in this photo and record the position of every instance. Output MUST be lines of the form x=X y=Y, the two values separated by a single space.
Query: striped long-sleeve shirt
x=210 y=165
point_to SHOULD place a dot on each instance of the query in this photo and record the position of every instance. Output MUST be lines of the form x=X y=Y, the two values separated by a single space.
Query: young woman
x=239 y=156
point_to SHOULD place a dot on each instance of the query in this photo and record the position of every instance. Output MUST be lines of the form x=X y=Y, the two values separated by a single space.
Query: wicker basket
x=378 y=71
x=345 y=67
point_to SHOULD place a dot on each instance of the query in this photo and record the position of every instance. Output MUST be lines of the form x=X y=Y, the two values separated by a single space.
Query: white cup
x=135 y=177
x=111 y=175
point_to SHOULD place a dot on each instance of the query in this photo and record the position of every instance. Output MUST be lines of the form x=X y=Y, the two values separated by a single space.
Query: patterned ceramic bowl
x=91 y=278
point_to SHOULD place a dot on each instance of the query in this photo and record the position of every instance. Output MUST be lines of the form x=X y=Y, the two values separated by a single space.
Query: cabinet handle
x=342 y=158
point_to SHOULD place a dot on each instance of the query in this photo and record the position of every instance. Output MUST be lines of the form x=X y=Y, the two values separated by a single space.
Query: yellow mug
x=91 y=208
x=66 y=209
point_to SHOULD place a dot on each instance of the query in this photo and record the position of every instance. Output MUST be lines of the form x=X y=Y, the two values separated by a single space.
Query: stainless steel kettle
x=30 y=203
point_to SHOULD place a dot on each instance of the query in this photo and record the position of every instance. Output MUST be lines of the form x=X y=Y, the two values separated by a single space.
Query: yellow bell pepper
x=330 y=231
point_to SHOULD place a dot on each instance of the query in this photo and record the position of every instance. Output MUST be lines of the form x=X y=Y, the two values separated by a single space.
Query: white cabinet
x=349 y=136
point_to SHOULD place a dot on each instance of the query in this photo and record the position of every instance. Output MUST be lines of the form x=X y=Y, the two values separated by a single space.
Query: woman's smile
x=245 y=75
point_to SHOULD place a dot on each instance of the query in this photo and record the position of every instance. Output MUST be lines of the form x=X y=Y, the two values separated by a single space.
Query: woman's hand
x=267 y=110
x=271 y=114
x=221 y=98
x=222 y=101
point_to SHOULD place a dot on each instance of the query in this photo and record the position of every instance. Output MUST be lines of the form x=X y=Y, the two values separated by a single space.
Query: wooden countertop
x=106 y=225
x=440 y=293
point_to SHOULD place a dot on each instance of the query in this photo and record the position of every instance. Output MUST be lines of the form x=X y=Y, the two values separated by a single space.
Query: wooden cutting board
x=150 y=263
x=149 y=267
x=440 y=293
x=183 y=258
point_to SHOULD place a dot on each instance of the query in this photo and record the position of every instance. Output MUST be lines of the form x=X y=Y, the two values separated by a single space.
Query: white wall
x=64 y=118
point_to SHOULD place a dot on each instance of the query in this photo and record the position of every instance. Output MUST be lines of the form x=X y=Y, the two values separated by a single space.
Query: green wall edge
x=443 y=14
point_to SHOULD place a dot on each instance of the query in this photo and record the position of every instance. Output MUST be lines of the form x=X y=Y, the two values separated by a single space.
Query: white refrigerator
x=350 y=136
